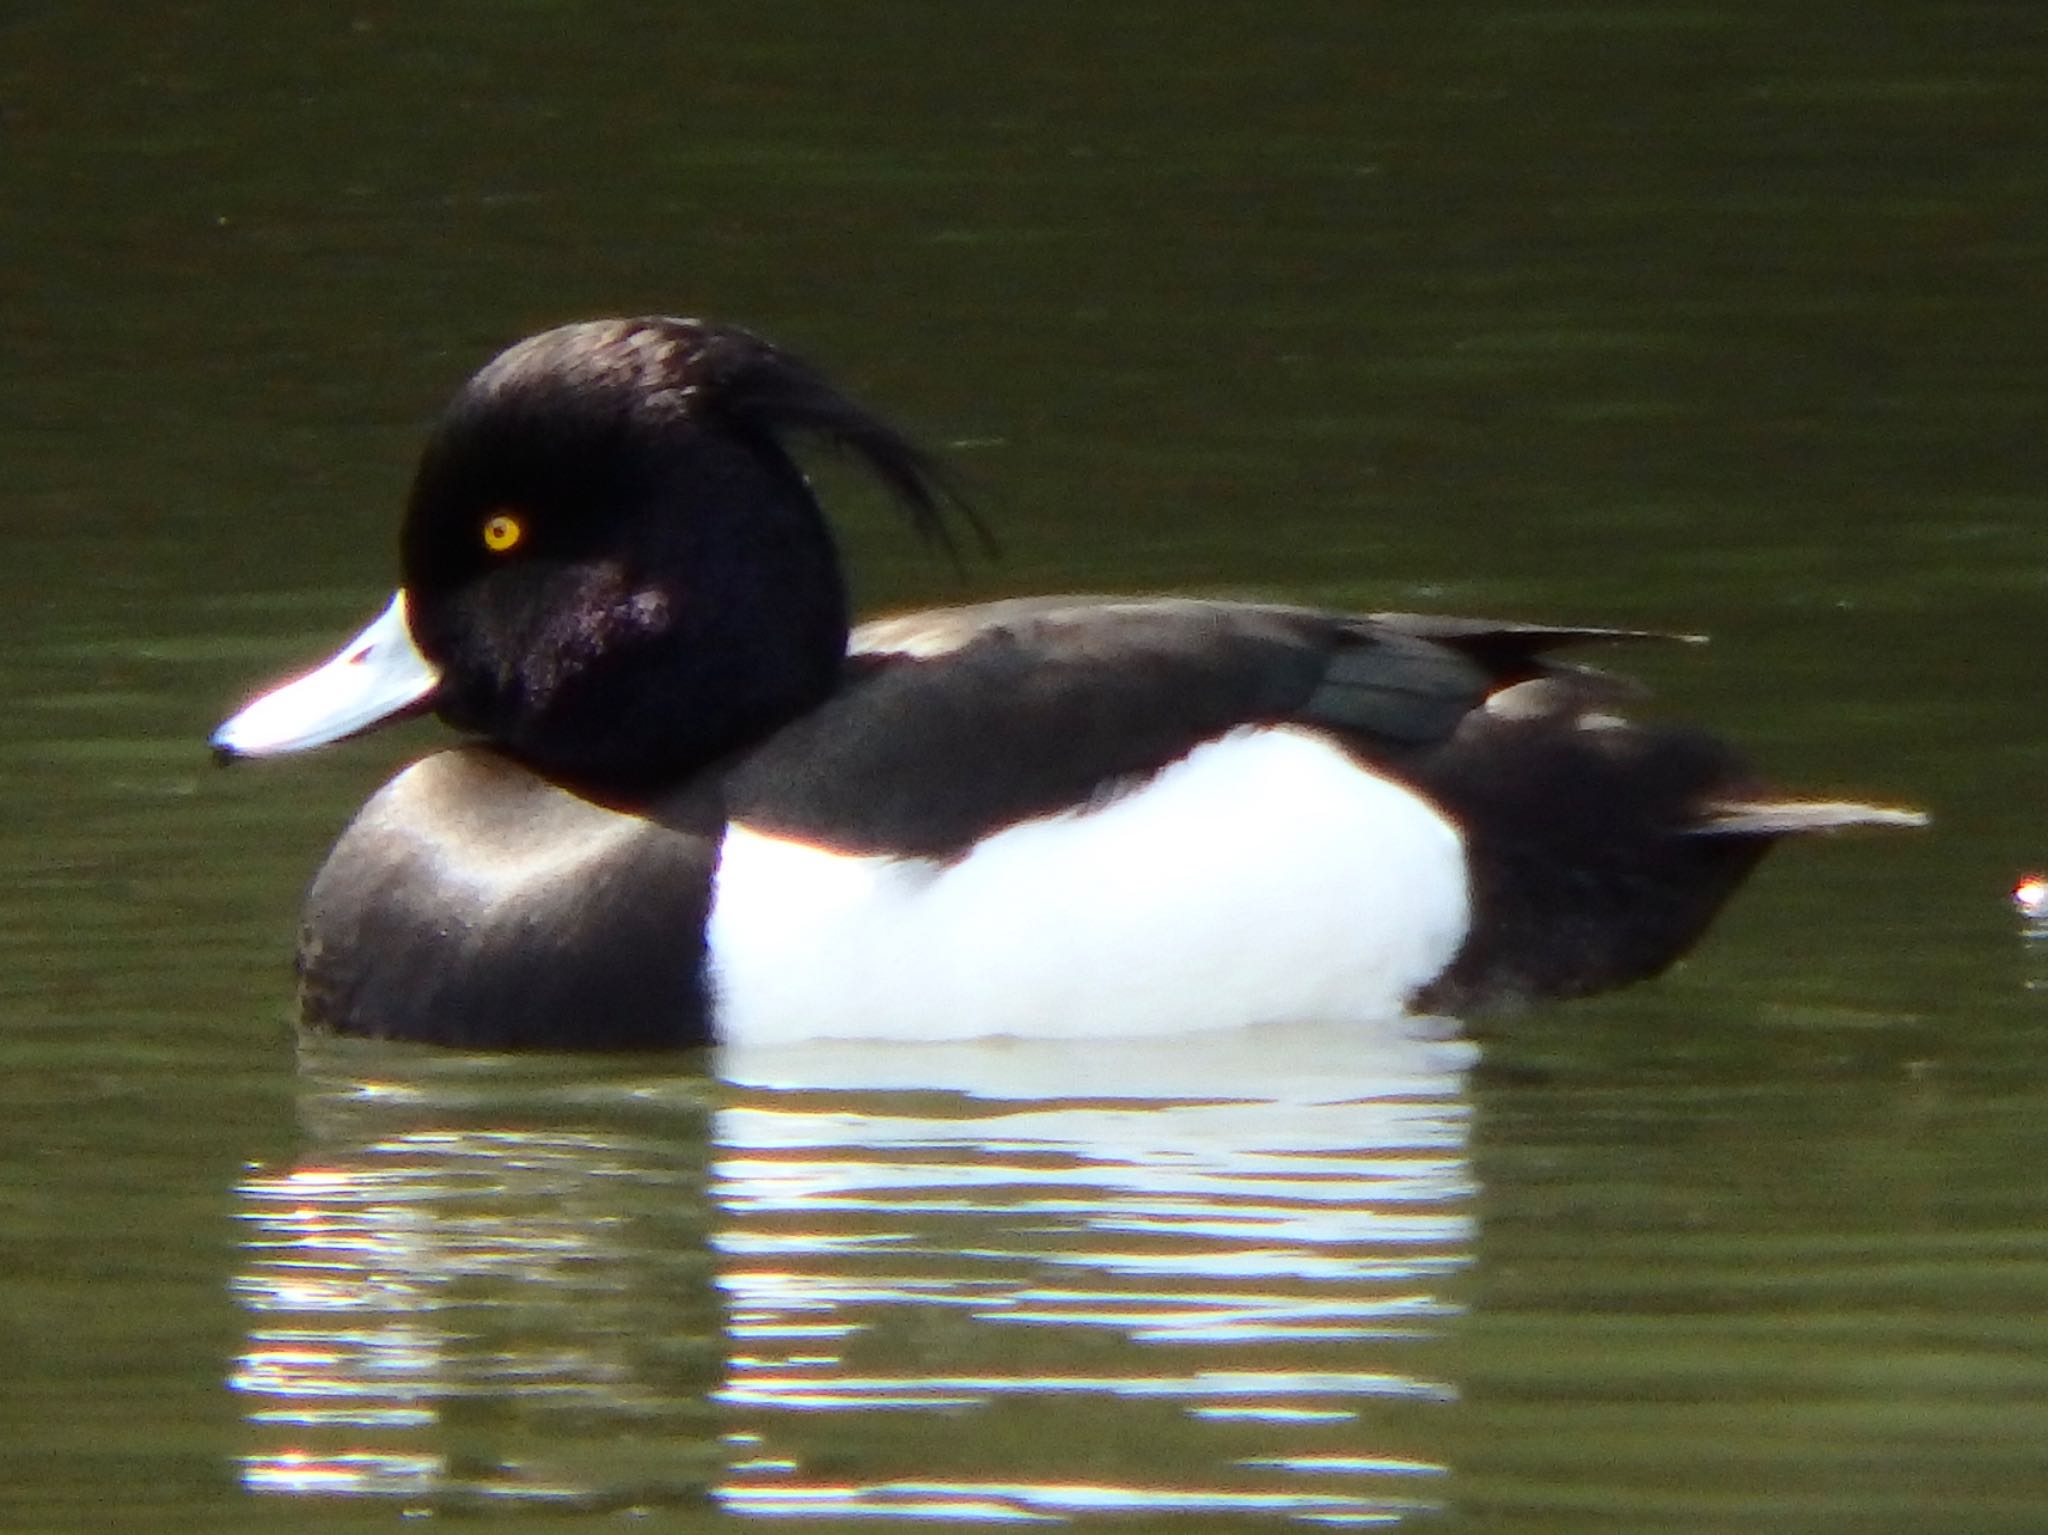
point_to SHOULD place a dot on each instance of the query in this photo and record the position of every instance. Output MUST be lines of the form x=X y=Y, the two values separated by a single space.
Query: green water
x=1718 y=318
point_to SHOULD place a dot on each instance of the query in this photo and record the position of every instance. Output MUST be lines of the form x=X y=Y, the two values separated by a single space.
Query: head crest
x=755 y=388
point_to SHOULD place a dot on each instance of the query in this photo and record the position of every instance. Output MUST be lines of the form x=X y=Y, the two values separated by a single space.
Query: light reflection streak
x=1349 y=1463
x=1027 y=1500
x=1189 y=1388
x=1266 y=1413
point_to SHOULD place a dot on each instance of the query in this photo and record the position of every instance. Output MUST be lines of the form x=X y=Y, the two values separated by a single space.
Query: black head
x=614 y=561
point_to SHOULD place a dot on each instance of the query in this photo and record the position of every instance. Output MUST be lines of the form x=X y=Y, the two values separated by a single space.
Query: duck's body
x=702 y=813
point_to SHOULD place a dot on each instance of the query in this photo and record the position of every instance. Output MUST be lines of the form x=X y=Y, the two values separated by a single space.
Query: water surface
x=1712 y=318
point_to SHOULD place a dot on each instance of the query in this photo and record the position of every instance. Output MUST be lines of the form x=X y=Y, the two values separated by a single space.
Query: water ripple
x=930 y=1266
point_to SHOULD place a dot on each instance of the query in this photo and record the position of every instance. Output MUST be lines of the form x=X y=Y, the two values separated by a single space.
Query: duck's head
x=612 y=567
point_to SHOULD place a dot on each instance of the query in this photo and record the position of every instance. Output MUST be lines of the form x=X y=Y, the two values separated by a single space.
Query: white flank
x=1263 y=878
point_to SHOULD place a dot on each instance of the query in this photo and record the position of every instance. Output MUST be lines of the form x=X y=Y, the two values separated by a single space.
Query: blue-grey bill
x=376 y=676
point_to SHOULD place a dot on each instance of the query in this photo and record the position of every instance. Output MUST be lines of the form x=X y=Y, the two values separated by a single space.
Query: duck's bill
x=379 y=675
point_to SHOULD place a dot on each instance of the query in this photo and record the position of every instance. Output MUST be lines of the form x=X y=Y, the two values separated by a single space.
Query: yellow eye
x=503 y=532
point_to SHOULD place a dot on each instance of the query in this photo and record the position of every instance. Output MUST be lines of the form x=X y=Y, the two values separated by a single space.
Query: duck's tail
x=1797 y=817
x=1606 y=850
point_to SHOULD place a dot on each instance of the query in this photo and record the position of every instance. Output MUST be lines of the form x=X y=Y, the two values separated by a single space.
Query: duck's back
x=1139 y=816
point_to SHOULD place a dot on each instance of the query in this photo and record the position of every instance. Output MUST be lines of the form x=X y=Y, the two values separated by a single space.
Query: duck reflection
x=482 y=1280
x=994 y=1279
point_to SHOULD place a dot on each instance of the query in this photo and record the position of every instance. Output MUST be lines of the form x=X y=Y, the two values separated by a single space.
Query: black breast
x=474 y=904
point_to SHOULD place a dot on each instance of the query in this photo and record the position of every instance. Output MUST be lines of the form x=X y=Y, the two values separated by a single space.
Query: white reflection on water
x=466 y=1275
x=995 y=1281
x=1217 y=1255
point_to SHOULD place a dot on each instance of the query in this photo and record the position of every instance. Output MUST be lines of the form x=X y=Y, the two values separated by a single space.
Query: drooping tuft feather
x=759 y=388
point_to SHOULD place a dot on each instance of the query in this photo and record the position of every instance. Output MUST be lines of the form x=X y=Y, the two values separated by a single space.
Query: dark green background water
x=1717 y=317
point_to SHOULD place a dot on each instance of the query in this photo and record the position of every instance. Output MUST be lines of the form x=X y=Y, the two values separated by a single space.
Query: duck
x=694 y=804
